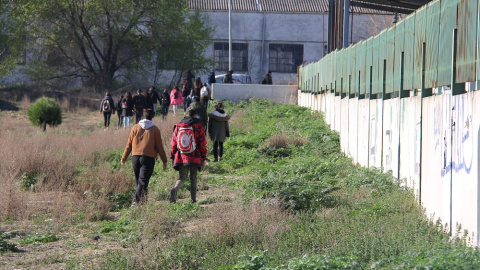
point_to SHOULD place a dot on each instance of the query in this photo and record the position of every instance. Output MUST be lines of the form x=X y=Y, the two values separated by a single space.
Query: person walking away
x=165 y=103
x=211 y=78
x=176 y=99
x=189 y=76
x=187 y=89
x=139 y=105
x=127 y=109
x=189 y=153
x=145 y=144
x=197 y=87
x=201 y=111
x=228 y=78
x=218 y=130
x=148 y=101
x=119 y=110
x=268 y=78
x=205 y=95
x=154 y=97
x=107 y=107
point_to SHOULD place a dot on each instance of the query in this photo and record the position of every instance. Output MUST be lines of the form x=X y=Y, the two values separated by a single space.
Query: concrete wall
x=431 y=144
x=236 y=92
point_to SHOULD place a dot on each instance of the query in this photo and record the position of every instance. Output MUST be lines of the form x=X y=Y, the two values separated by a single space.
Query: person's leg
x=215 y=150
x=146 y=171
x=105 y=115
x=136 y=169
x=119 y=124
x=182 y=176
x=193 y=183
x=155 y=108
x=220 y=155
x=175 y=108
x=109 y=115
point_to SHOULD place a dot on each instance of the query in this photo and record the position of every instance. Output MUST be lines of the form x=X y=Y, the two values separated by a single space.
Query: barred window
x=285 y=57
x=239 y=56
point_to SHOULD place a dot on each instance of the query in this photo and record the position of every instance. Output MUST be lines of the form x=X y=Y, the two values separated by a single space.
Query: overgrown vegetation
x=283 y=197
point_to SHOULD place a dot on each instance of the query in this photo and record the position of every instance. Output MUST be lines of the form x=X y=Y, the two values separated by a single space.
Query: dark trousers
x=138 y=114
x=165 y=110
x=120 y=118
x=106 y=117
x=205 y=102
x=143 y=168
x=217 y=146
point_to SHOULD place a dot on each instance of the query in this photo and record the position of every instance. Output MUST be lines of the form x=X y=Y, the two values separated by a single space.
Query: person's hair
x=107 y=94
x=219 y=105
x=152 y=88
x=191 y=112
x=128 y=95
x=148 y=114
x=230 y=71
x=196 y=98
x=139 y=90
x=205 y=84
x=166 y=90
x=176 y=88
x=188 y=70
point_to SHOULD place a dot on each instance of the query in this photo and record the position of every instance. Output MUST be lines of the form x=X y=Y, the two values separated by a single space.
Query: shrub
x=45 y=111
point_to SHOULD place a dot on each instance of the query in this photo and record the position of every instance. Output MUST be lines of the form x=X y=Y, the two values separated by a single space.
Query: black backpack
x=106 y=106
x=175 y=94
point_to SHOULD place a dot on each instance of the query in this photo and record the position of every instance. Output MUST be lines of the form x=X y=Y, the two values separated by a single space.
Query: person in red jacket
x=189 y=152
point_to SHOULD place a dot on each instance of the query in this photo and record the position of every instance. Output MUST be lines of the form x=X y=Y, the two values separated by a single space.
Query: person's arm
x=173 y=144
x=128 y=147
x=159 y=148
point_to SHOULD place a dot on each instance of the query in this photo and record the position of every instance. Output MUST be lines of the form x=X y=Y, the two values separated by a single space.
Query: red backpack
x=186 y=140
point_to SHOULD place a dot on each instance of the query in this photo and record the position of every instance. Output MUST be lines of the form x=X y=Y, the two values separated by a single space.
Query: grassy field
x=283 y=197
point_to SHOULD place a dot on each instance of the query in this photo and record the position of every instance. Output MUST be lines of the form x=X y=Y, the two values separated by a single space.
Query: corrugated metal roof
x=286 y=6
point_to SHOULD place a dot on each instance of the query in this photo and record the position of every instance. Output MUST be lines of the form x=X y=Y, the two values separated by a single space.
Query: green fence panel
x=375 y=56
x=361 y=69
x=382 y=55
x=448 y=23
x=369 y=66
x=420 y=23
x=399 y=49
x=353 y=68
x=338 y=73
x=432 y=35
x=390 y=53
x=467 y=40
x=409 y=51
x=346 y=68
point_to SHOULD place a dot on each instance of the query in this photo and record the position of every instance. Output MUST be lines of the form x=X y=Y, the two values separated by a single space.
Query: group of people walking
x=130 y=108
x=188 y=148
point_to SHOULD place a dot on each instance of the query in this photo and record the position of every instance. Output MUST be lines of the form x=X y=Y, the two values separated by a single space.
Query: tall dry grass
x=68 y=163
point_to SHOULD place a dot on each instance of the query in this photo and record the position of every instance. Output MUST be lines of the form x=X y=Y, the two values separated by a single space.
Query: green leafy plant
x=45 y=111
x=39 y=239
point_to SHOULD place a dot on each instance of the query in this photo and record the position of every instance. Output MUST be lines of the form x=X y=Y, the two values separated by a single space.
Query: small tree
x=45 y=111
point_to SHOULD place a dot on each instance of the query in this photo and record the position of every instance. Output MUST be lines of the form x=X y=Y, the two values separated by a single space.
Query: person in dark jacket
x=145 y=145
x=188 y=163
x=107 y=107
x=228 y=78
x=187 y=89
x=197 y=86
x=165 y=102
x=127 y=109
x=211 y=78
x=148 y=101
x=268 y=78
x=218 y=130
x=201 y=111
x=189 y=76
x=118 y=108
x=154 y=97
x=139 y=104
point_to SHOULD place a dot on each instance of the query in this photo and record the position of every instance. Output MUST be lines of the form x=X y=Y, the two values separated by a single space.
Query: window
x=285 y=57
x=239 y=56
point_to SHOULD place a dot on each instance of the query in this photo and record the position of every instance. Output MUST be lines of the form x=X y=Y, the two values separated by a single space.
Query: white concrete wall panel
x=236 y=92
x=329 y=109
x=363 y=131
x=323 y=103
x=336 y=121
x=344 y=111
x=435 y=190
x=353 y=129
x=465 y=162
x=391 y=135
x=375 y=137
x=410 y=143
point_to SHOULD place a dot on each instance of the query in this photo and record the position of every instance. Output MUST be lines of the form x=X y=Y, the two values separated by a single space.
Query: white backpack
x=204 y=92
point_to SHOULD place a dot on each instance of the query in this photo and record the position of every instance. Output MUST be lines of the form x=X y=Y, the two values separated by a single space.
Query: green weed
x=39 y=239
